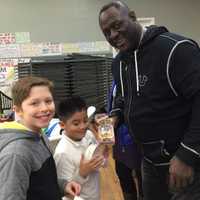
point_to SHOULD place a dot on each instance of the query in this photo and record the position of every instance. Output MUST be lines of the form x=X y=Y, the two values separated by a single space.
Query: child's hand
x=72 y=189
x=87 y=166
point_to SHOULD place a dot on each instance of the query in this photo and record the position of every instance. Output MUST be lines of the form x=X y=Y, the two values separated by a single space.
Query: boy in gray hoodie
x=27 y=168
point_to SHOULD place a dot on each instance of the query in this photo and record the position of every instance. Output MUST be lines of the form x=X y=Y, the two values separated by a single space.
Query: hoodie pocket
x=156 y=152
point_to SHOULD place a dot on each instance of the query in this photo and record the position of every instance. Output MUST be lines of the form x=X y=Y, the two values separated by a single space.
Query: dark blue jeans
x=155 y=185
x=126 y=181
x=155 y=182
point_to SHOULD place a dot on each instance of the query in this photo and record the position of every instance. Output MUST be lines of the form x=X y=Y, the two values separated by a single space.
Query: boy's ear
x=16 y=109
x=132 y=15
x=18 y=112
x=62 y=124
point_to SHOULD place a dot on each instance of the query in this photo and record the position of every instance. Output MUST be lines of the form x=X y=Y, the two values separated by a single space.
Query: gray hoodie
x=27 y=168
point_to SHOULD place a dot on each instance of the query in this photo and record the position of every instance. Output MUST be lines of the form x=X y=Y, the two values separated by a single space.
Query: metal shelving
x=75 y=74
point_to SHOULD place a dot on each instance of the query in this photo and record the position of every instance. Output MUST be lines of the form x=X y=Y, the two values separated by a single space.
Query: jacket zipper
x=129 y=96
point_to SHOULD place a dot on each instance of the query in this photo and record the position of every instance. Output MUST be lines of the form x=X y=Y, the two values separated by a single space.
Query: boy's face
x=75 y=127
x=37 y=109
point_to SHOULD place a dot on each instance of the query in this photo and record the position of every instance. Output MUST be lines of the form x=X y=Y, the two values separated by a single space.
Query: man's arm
x=186 y=76
x=189 y=151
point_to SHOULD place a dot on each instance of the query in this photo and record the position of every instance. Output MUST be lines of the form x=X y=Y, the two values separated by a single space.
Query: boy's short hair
x=22 y=87
x=67 y=107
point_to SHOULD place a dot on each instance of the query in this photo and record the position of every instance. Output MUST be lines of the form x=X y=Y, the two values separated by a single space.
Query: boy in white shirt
x=68 y=156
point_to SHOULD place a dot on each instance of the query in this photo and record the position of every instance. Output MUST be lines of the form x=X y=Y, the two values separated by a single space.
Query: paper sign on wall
x=7 y=75
x=22 y=37
x=7 y=38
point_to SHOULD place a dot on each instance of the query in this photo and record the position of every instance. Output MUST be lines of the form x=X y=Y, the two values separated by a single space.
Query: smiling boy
x=70 y=162
x=27 y=168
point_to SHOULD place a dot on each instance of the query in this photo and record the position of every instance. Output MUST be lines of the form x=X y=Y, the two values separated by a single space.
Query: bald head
x=121 y=6
x=117 y=4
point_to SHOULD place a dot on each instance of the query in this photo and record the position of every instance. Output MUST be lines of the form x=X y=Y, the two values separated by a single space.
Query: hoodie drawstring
x=121 y=81
x=136 y=73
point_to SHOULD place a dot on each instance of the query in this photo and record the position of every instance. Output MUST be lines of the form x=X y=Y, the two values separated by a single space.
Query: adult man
x=158 y=87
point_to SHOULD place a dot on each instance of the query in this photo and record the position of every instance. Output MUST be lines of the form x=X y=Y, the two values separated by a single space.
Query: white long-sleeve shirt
x=67 y=157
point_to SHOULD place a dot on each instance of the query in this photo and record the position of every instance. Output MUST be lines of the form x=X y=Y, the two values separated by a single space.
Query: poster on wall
x=13 y=38
x=22 y=37
x=40 y=49
x=86 y=47
x=51 y=48
x=7 y=38
x=70 y=48
x=30 y=49
x=10 y=51
x=146 y=21
x=7 y=75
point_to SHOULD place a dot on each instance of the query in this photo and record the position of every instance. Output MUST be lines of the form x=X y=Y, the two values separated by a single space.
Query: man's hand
x=99 y=117
x=180 y=174
x=115 y=121
x=72 y=188
x=87 y=166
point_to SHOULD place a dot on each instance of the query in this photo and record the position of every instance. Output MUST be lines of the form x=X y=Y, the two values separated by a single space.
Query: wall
x=77 y=20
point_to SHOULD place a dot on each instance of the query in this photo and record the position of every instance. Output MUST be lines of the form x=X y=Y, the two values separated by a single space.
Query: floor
x=110 y=188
